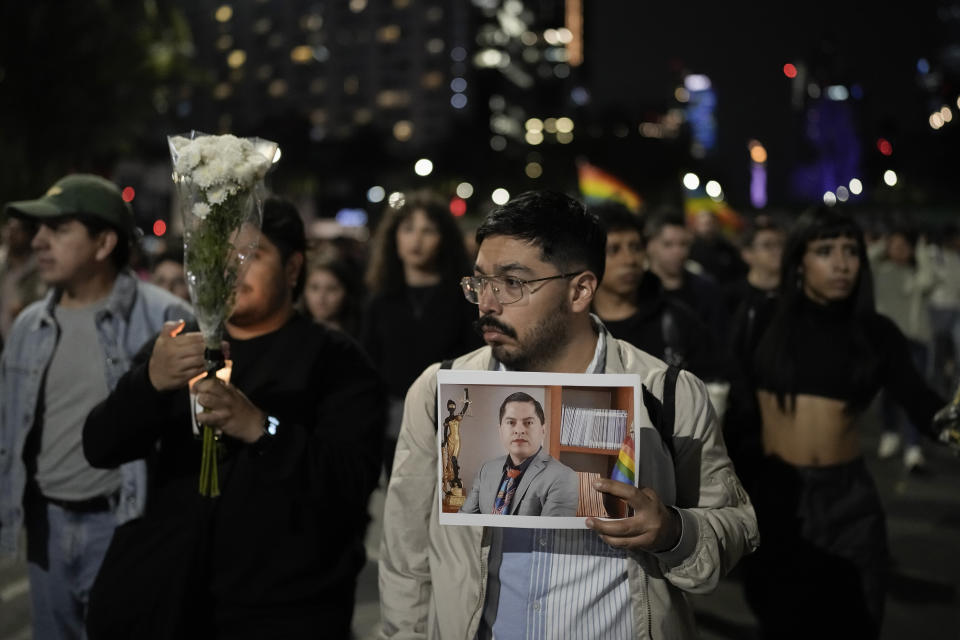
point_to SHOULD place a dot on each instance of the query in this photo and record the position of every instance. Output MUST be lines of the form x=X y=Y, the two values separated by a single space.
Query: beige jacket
x=433 y=577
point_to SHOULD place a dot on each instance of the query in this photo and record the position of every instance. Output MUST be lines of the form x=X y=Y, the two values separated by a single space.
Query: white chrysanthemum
x=218 y=195
x=220 y=165
x=201 y=210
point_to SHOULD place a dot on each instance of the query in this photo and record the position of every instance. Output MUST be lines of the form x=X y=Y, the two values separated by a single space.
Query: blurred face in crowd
x=705 y=224
x=16 y=235
x=266 y=288
x=668 y=250
x=68 y=254
x=323 y=295
x=521 y=432
x=625 y=262
x=766 y=251
x=418 y=241
x=899 y=249
x=529 y=332
x=169 y=275
x=831 y=267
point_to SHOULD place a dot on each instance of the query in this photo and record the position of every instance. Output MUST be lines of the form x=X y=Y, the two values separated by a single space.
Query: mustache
x=492 y=323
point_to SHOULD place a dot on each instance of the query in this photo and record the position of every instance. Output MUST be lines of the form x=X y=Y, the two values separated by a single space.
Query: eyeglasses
x=506 y=289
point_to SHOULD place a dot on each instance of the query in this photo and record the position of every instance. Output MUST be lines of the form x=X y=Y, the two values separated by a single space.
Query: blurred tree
x=82 y=84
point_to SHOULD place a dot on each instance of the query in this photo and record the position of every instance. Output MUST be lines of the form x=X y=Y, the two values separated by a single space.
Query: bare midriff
x=817 y=433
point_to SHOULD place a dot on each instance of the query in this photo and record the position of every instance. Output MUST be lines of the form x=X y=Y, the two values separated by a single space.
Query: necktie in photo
x=505 y=495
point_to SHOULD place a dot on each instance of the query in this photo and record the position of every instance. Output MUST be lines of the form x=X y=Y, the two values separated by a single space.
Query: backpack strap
x=662 y=412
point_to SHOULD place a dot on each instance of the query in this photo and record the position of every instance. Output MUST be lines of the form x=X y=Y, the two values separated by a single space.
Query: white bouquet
x=219 y=181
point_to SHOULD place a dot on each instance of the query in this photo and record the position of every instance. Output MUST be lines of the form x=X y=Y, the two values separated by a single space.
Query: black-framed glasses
x=506 y=289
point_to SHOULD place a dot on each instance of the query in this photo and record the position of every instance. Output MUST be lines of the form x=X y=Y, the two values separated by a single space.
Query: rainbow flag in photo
x=625 y=469
x=597 y=184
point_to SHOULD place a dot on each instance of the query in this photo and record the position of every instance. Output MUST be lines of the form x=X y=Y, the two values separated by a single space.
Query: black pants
x=821 y=568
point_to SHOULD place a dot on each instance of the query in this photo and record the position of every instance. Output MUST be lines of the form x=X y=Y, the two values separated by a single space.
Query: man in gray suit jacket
x=527 y=481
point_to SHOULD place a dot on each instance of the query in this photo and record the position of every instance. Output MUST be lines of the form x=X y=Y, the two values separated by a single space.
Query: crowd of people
x=784 y=333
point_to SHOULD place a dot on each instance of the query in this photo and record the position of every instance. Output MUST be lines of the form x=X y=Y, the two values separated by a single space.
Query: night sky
x=638 y=52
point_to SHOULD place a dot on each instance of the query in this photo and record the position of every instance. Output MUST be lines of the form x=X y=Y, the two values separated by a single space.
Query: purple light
x=758 y=186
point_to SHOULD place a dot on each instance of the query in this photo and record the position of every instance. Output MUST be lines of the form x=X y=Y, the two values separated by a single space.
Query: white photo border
x=459 y=377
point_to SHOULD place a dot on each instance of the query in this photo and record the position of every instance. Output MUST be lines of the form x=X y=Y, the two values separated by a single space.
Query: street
x=924 y=528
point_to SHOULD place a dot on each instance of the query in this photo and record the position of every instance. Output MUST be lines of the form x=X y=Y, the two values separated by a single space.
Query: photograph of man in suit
x=527 y=481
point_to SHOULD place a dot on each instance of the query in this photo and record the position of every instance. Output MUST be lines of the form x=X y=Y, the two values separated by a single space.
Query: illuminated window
x=277 y=88
x=403 y=130
x=236 y=58
x=392 y=98
x=389 y=33
x=311 y=22
x=223 y=13
x=432 y=80
x=301 y=54
x=222 y=91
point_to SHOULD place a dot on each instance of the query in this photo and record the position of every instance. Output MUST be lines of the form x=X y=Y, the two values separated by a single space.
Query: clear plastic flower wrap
x=220 y=187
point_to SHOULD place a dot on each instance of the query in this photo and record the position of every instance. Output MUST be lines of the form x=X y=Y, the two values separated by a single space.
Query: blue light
x=923 y=66
x=458 y=100
x=580 y=96
x=352 y=217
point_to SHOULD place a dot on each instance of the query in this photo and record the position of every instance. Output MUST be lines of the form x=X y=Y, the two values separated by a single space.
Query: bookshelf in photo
x=592 y=422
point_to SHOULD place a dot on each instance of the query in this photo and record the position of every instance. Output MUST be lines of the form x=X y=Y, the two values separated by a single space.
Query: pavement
x=923 y=520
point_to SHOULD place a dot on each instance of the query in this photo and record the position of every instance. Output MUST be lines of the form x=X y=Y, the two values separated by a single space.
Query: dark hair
x=568 y=236
x=174 y=254
x=759 y=225
x=777 y=356
x=909 y=234
x=120 y=256
x=663 y=218
x=616 y=217
x=283 y=226
x=385 y=272
x=520 y=396
x=348 y=276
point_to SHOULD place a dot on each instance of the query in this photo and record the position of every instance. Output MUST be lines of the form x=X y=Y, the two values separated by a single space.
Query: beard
x=541 y=344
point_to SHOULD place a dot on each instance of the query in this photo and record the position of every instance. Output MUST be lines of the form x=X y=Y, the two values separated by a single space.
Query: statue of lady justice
x=453 y=497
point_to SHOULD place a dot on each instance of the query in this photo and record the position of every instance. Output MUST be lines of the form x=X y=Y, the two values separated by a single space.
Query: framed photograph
x=521 y=449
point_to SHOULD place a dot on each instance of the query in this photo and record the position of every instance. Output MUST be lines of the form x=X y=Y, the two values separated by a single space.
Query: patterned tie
x=505 y=495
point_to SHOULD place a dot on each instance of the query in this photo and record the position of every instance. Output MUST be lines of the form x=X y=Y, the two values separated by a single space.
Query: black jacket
x=280 y=549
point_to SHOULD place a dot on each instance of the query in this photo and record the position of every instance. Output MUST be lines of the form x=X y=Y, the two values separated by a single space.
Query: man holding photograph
x=527 y=481
x=539 y=262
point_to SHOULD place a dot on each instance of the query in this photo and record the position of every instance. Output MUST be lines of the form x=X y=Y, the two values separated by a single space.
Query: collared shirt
x=522 y=468
x=557 y=583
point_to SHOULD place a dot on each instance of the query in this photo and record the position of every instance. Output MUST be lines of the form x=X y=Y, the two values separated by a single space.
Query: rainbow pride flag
x=731 y=222
x=597 y=184
x=625 y=469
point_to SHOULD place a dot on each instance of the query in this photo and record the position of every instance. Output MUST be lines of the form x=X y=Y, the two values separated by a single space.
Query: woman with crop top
x=820 y=570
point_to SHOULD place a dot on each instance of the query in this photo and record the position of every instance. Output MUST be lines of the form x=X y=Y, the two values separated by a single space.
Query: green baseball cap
x=79 y=194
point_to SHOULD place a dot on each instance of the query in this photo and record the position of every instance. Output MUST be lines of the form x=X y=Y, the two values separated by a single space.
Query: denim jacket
x=135 y=311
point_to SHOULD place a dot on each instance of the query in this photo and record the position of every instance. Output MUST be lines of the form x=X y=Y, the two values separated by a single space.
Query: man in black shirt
x=278 y=552
x=762 y=248
x=668 y=249
x=632 y=304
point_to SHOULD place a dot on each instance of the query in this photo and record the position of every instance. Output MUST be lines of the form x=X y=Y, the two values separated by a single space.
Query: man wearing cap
x=63 y=355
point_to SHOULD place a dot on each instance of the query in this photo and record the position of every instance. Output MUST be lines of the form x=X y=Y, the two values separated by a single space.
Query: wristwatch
x=270 y=427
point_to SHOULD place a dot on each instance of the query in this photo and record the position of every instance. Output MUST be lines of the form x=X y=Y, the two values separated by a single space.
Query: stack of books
x=593 y=428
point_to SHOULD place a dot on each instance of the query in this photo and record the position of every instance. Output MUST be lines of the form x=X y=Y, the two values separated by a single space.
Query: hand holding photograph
x=530 y=446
